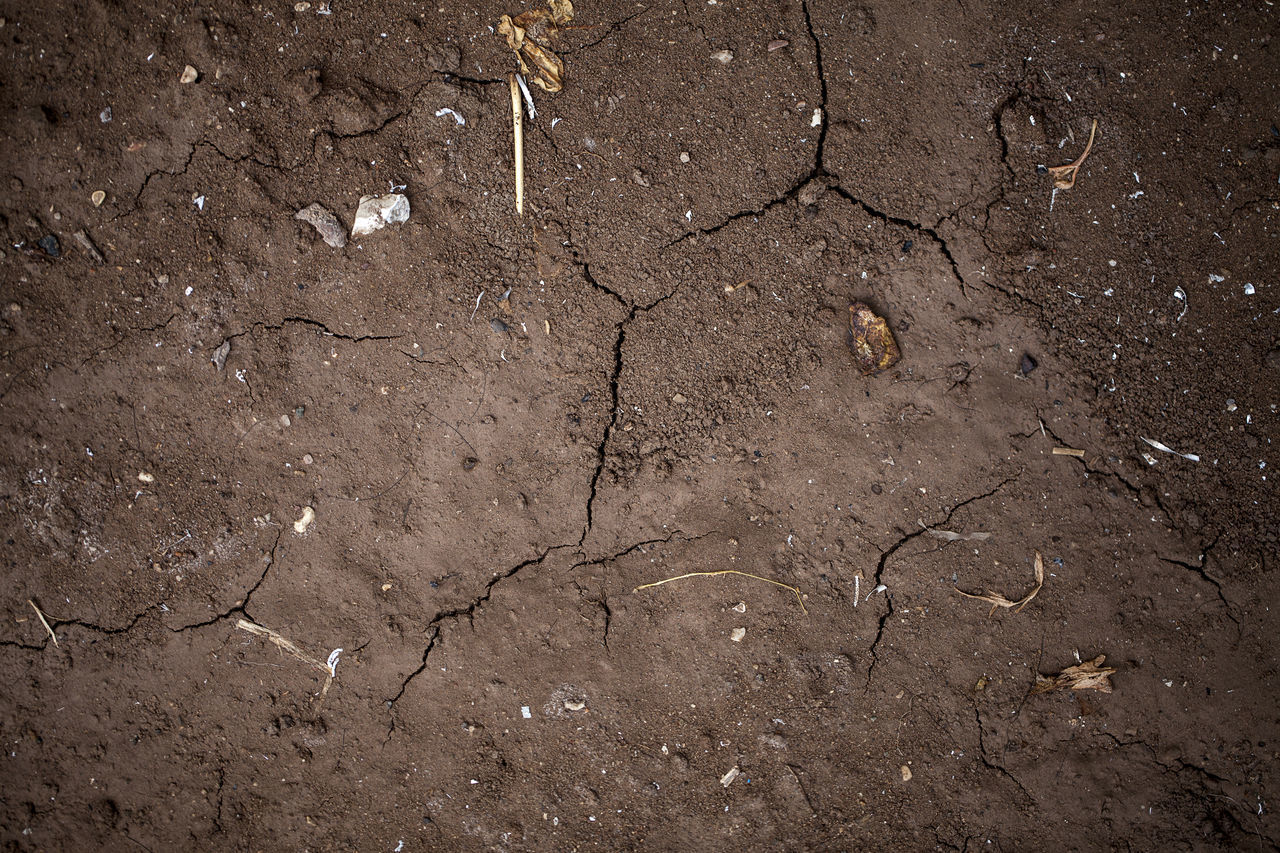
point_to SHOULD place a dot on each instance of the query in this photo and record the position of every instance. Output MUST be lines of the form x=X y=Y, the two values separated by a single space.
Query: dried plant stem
x=43 y=621
x=799 y=600
x=517 y=127
x=997 y=600
x=286 y=645
x=1064 y=177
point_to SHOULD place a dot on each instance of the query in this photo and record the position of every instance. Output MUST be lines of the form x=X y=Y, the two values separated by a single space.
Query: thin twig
x=286 y=645
x=43 y=621
x=799 y=599
x=517 y=127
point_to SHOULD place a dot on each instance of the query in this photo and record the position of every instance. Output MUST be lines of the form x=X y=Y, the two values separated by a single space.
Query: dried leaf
x=874 y=348
x=997 y=600
x=1090 y=675
x=529 y=33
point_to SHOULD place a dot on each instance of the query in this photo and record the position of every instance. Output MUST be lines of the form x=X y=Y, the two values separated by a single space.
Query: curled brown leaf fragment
x=874 y=348
x=1064 y=177
x=1090 y=675
x=529 y=34
x=996 y=600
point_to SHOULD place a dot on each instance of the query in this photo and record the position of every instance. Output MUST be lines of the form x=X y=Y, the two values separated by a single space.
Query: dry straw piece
x=288 y=646
x=43 y=621
x=799 y=599
x=517 y=129
x=995 y=599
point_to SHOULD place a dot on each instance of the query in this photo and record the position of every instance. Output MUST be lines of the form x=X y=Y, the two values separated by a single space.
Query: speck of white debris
x=399 y=847
x=190 y=290
x=333 y=661
x=1213 y=279
x=525 y=712
x=727 y=779
x=688 y=215
x=684 y=156
x=817 y=118
x=1248 y=289
x=574 y=706
x=198 y=201
x=740 y=607
x=737 y=634
x=723 y=56
x=144 y=477
x=446 y=111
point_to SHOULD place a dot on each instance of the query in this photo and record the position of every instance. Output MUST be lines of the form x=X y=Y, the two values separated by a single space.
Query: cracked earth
x=504 y=427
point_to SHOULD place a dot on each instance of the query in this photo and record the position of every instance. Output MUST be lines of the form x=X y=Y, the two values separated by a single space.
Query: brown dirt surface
x=504 y=425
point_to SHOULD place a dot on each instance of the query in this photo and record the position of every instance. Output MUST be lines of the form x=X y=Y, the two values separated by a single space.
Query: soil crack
x=892 y=549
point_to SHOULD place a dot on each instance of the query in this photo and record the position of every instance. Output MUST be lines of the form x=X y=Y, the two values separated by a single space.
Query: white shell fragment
x=308 y=515
x=379 y=211
x=332 y=663
x=737 y=634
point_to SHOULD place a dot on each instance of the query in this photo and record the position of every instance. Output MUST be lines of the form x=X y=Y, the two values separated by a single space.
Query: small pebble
x=778 y=44
x=574 y=706
x=684 y=156
x=498 y=326
x=284 y=421
x=308 y=515
x=737 y=634
x=906 y=773
x=50 y=244
x=307 y=459
x=189 y=75
x=740 y=607
x=105 y=115
x=1028 y=363
x=98 y=198
x=679 y=399
x=723 y=56
x=144 y=477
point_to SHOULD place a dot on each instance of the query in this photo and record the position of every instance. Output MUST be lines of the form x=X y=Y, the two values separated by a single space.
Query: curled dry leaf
x=529 y=35
x=1090 y=675
x=995 y=599
x=874 y=348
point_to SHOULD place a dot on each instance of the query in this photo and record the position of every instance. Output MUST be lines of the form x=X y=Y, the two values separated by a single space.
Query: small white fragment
x=1181 y=296
x=379 y=211
x=574 y=706
x=817 y=118
x=555 y=121
x=446 y=111
x=1214 y=279
x=399 y=846
x=189 y=75
x=525 y=712
x=737 y=634
x=144 y=477
x=688 y=215
x=528 y=98
x=332 y=663
x=190 y=290
x=906 y=773
x=1248 y=289
x=1151 y=460
x=198 y=201
x=308 y=515
x=740 y=607
x=727 y=779
x=723 y=56
x=1166 y=449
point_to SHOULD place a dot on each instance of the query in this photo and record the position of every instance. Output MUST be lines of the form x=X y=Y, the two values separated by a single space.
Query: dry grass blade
x=1090 y=675
x=286 y=645
x=43 y=621
x=795 y=590
x=996 y=600
x=1064 y=177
